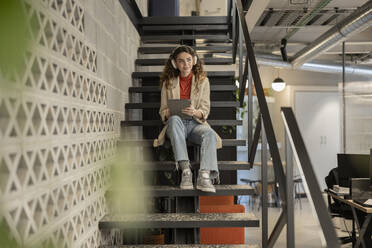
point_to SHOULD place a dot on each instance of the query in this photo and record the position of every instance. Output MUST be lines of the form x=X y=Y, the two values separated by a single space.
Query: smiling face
x=184 y=63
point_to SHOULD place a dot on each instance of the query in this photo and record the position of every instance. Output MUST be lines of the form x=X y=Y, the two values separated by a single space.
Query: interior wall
x=318 y=117
x=60 y=120
x=298 y=78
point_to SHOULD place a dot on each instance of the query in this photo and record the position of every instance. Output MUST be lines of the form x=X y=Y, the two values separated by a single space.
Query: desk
x=362 y=229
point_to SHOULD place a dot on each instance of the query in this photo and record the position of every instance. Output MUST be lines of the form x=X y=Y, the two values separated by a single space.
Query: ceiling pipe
x=358 y=21
x=315 y=66
x=305 y=20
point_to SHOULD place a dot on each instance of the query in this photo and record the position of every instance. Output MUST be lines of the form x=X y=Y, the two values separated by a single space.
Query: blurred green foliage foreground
x=15 y=36
x=6 y=240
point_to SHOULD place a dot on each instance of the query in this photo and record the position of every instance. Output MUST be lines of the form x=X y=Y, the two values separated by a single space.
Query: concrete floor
x=307 y=229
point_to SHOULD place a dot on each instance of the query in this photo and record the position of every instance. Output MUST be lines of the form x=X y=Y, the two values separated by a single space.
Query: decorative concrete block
x=60 y=121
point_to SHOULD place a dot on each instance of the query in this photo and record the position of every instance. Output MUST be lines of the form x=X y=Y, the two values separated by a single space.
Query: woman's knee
x=174 y=122
x=210 y=135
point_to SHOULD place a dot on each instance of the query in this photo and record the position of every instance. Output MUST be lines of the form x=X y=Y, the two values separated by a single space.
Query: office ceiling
x=279 y=18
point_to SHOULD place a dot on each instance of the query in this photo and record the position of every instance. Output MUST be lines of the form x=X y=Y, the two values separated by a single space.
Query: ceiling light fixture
x=278 y=84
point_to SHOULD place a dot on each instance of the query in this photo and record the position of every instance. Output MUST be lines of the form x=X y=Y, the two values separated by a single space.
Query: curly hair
x=169 y=72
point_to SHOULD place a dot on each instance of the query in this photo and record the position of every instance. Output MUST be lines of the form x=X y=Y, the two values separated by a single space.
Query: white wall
x=317 y=114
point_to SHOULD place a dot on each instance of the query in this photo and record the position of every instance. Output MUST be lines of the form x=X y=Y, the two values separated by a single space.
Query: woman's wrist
x=197 y=114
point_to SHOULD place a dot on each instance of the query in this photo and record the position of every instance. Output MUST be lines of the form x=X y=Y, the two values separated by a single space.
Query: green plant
x=240 y=110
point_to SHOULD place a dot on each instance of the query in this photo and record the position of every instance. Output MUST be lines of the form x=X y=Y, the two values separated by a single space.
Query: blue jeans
x=181 y=129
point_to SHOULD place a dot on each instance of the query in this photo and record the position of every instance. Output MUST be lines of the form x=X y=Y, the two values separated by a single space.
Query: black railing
x=303 y=161
x=133 y=12
x=265 y=128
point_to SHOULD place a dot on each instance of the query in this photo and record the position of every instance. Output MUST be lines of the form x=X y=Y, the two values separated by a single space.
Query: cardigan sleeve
x=163 y=103
x=205 y=103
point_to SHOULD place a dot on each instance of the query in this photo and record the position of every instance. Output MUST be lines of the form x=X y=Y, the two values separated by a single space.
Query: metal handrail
x=268 y=135
x=267 y=123
x=261 y=101
x=303 y=161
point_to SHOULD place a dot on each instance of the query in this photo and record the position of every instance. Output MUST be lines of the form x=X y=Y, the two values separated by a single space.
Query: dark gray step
x=221 y=38
x=163 y=191
x=212 y=81
x=209 y=74
x=147 y=89
x=181 y=246
x=196 y=27
x=178 y=220
x=184 y=20
x=142 y=105
x=159 y=123
x=149 y=143
x=171 y=165
x=206 y=61
x=200 y=49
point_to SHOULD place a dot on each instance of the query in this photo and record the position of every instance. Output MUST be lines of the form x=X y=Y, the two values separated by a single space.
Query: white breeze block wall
x=60 y=120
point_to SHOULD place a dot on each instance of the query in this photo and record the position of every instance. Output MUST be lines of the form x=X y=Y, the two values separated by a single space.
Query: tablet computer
x=176 y=105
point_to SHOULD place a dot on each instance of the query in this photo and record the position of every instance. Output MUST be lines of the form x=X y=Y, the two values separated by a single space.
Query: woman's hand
x=190 y=111
x=167 y=113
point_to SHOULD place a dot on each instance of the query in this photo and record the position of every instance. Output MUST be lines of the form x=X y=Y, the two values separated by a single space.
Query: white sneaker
x=204 y=182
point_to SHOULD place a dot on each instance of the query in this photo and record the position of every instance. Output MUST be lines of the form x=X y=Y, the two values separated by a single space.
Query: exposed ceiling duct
x=353 y=24
x=316 y=66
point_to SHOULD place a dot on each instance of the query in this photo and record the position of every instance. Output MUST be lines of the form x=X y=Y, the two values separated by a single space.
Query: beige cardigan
x=200 y=99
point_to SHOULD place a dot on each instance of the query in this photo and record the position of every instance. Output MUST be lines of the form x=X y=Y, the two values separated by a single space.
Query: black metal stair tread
x=167 y=50
x=181 y=246
x=214 y=104
x=160 y=123
x=196 y=27
x=157 y=88
x=212 y=81
x=206 y=61
x=149 y=143
x=184 y=20
x=171 y=165
x=156 y=38
x=162 y=191
x=178 y=220
x=157 y=74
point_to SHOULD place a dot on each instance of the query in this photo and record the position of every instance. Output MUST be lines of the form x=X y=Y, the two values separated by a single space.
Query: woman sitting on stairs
x=183 y=78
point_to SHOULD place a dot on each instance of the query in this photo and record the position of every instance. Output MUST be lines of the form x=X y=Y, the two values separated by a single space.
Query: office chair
x=337 y=208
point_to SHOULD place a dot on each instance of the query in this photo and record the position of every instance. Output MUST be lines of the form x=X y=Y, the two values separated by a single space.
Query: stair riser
x=185 y=27
x=199 y=50
x=184 y=224
x=184 y=20
x=149 y=143
x=156 y=105
x=182 y=246
x=159 y=62
x=199 y=193
x=171 y=166
x=156 y=89
x=210 y=74
x=158 y=123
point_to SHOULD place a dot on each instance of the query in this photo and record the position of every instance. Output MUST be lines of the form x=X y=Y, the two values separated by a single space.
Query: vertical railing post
x=264 y=187
x=250 y=113
x=240 y=55
x=289 y=200
x=312 y=187
x=234 y=30
x=343 y=101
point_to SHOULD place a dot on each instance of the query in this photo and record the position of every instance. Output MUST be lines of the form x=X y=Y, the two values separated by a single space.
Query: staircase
x=182 y=220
